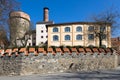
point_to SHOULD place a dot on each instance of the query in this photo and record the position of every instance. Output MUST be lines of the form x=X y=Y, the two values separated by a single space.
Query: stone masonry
x=26 y=62
x=19 y=26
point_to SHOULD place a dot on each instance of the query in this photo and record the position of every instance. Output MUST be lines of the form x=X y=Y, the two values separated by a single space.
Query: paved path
x=95 y=75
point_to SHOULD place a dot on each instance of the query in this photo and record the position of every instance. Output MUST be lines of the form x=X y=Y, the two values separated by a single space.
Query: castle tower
x=19 y=25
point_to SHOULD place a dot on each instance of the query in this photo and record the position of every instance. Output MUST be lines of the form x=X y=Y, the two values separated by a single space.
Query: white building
x=31 y=38
x=41 y=33
x=41 y=30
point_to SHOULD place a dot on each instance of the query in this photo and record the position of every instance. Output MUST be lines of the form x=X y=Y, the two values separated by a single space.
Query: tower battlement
x=19 y=14
x=19 y=25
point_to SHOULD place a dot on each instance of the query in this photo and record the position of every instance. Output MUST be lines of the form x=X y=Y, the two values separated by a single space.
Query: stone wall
x=19 y=25
x=19 y=64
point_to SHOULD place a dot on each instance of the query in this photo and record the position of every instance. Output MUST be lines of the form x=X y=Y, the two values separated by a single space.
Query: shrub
x=77 y=47
x=103 y=46
x=45 y=47
x=61 y=47
x=54 y=47
x=68 y=47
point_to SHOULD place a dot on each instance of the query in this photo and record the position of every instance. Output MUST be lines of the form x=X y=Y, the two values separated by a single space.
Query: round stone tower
x=19 y=25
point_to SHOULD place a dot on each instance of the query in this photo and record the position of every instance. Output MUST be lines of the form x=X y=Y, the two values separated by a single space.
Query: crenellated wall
x=39 y=61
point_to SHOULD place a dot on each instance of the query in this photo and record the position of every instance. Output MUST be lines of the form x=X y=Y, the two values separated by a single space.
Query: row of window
x=67 y=37
x=78 y=37
x=92 y=28
x=43 y=31
x=79 y=29
x=67 y=29
x=44 y=36
x=32 y=44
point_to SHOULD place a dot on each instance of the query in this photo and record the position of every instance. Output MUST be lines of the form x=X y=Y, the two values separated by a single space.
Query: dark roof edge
x=43 y=22
x=69 y=23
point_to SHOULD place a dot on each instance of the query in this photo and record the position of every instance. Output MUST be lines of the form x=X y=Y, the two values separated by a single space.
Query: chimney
x=46 y=14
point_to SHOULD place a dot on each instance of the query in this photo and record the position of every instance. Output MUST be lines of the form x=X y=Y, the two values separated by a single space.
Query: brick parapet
x=26 y=61
x=36 y=52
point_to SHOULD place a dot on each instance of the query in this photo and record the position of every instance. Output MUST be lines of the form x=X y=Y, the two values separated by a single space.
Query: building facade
x=115 y=42
x=77 y=34
x=60 y=34
x=42 y=33
x=41 y=30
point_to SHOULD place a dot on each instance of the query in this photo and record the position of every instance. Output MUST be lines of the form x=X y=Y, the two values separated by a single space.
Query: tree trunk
x=100 y=40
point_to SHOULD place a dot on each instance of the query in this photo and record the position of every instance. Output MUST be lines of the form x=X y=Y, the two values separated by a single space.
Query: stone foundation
x=41 y=64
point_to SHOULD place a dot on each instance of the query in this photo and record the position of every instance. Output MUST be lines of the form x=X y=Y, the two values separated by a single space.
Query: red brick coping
x=36 y=52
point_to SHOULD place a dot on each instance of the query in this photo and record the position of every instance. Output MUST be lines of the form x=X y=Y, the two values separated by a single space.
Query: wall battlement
x=19 y=14
x=54 y=51
x=26 y=61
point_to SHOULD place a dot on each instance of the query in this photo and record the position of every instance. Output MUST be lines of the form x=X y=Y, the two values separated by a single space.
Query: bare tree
x=106 y=18
x=3 y=39
x=6 y=6
x=28 y=36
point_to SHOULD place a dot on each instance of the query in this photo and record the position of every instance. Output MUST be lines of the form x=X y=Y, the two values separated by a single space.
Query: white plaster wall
x=40 y=27
x=29 y=40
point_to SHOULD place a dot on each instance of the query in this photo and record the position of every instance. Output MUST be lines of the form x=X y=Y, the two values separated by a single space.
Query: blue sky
x=61 y=11
x=66 y=10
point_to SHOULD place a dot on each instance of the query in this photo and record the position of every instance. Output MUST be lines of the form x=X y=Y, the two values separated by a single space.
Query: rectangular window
x=79 y=29
x=67 y=37
x=34 y=38
x=55 y=38
x=41 y=36
x=91 y=28
x=33 y=44
x=67 y=29
x=102 y=28
x=41 y=31
x=103 y=36
x=79 y=37
x=29 y=44
x=90 y=36
x=55 y=29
